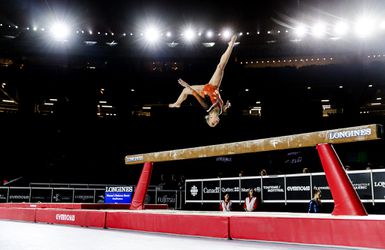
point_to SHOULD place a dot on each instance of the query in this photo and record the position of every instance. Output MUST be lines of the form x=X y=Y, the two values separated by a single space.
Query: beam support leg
x=346 y=199
x=141 y=189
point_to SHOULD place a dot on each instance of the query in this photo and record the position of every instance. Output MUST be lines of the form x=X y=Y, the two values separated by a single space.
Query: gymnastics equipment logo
x=194 y=191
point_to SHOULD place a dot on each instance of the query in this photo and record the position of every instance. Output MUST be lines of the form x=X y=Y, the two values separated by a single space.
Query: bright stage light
x=319 y=30
x=169 y=34
x=189 y=34
x=209 y=34
x=226 y=34
x=364 y=27
x=300 y=31
x=152 y=34
x=60 y=31
x=340 y=29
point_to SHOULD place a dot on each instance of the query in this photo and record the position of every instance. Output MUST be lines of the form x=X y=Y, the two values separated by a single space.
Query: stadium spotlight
x=364 y=27
x=169 y=34
x=319 y=30
x=226 y=34
x=300 y=31
x=209 y=34
x=60 y=31
x=340 y=29
x=189 y=34
x=152 y=34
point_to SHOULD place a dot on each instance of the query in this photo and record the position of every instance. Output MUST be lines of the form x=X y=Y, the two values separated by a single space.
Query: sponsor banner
x=246 y=184
x=62 y=195
x=379 y=185
x=273 y=188
x=349 y=133
x=84 y=196
x=18 y=195
x=193 y=190
x=166 y=197
x=298 y=188
x=118 y=194
x=230 y=187
x=3 y=195
x=70 y=217
x=41 y=195
x=211 y=190
x=319 y=182
x=362 y=184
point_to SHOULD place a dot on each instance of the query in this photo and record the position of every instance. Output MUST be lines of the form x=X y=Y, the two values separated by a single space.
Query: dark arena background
x=85 y=83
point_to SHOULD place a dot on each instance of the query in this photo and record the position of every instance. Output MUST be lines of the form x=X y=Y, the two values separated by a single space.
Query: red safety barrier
x=20 y=214
x=85 y=218
x=198 y=225
x=324 y=231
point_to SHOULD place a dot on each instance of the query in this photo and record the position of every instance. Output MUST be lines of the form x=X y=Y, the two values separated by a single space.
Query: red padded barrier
x=198 y=225
x=84 y=218
x=22 y=214
x=342 y=232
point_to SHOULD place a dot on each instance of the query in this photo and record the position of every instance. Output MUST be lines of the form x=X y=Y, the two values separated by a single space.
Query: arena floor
x=32 y=236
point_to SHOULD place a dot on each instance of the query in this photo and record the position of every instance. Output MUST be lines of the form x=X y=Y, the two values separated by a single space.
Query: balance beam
x=335 y=136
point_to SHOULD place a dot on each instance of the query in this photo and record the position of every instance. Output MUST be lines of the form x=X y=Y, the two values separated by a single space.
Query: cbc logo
x=194 y=190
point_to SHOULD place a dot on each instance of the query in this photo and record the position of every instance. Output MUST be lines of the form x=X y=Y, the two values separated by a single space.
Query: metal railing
x=56 y=193
x=291 y=188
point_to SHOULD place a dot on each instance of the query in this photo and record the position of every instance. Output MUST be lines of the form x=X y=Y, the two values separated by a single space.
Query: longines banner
x=289 y=188
x=84 y=196
x=379 y=185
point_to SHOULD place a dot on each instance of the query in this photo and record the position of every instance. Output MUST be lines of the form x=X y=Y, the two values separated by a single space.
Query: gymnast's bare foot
x=183 y=83
x=173 y=105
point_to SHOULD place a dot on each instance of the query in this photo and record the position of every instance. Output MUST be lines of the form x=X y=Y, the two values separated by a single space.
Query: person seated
x=250 y=202
x=225 y=205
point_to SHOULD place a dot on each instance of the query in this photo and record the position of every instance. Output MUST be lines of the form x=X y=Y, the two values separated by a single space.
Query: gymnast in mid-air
x=208 y=95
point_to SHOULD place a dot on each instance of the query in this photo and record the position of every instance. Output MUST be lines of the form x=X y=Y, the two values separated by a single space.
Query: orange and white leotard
x=215 y=97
